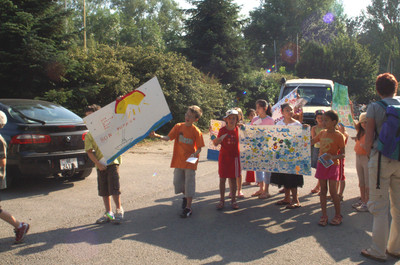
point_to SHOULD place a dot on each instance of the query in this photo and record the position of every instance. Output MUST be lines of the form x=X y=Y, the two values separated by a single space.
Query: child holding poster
x=332 y=149
x=263 y=110
x=250 y=176
x=187 y=147
x=229 y=159
x=290 y=182
x=240 y=194
x=107 y=177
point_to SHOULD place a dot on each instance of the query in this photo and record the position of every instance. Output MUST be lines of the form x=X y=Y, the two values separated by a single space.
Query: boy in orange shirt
x=188 y=143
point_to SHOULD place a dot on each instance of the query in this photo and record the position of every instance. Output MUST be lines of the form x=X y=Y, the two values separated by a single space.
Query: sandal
x=220 y=205
x=365 y=253
x=282 y=191
x=240 y=196
x=282 y=202
x=314 y=191
x=234 y=205
x=264 y=196
x=257 y=193
x=323 y=221
x=293 y=206
x=337 y=220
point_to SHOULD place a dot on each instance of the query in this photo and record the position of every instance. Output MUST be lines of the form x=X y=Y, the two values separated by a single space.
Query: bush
x=103 y=73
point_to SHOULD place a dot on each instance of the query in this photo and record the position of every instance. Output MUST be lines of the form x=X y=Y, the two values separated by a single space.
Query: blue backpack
x=389 y=136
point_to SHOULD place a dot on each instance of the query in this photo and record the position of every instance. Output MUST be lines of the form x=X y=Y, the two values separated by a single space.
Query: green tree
x=103 y=73
x=380 y=31
x=32 y=41
x=343 y=60
x=276 y=26
x=214 y=41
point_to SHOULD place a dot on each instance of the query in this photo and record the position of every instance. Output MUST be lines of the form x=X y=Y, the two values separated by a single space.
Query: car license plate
x=68 y=163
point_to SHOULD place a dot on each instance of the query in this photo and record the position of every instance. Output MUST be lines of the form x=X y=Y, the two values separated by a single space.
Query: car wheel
x=83 y=174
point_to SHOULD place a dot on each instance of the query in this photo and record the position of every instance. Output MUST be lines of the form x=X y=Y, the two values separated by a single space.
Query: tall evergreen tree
x=32 y=40
x=214 y=41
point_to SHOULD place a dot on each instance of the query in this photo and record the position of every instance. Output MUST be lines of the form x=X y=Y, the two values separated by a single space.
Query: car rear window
x=315 y=95
x=43 y=111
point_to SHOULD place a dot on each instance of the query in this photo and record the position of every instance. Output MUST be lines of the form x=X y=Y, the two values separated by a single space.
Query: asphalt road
x=62 y=215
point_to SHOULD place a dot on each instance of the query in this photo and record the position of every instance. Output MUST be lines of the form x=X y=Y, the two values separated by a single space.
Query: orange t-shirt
x=358 y=148
x=330 y=143
x=187 y=141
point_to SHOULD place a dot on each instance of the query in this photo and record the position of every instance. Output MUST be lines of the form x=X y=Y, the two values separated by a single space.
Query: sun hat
x=363 y=117
x=3 y=119
x=231 y=112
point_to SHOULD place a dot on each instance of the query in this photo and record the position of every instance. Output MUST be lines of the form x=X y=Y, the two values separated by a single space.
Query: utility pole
x=84 y=25
x=276 y=66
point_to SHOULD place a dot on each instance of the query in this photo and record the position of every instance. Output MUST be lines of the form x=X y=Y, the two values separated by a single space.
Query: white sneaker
x=362 y=208
x=357 y=204
x=119 y=216
x=107 y=217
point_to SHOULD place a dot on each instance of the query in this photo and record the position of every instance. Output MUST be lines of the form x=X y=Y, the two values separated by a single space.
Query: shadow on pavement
x=29 y=187
x=259 y=228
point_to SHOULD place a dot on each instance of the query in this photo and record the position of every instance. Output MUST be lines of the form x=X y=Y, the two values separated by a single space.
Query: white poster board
x=126 y=121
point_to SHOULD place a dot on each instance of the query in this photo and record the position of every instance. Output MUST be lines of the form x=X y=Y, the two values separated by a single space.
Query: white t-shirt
x=295 y=123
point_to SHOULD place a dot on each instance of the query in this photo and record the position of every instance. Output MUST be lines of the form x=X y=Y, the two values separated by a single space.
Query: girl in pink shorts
x=332 y=149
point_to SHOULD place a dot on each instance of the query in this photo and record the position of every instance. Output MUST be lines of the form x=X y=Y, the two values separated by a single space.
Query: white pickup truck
x=317 y=92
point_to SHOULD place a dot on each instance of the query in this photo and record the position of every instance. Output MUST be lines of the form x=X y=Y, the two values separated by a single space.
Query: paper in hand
x=192 y=160
x=325 y=163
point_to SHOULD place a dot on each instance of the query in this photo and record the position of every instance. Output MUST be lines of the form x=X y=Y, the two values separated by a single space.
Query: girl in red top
x=229 y=159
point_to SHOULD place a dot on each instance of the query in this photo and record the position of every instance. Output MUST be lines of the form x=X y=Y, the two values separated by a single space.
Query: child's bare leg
x=362 y=194
x=287 y=195
x=117 y=201
x=189 y=202
x=239 y=184
x=295 y=197
x=232 y=184
x=222 y=188
x=107 y=203
x=322 y=196
x=335 y=196
x=342 y=185
x=317 y=187
x=366 y=194
x=9 y=219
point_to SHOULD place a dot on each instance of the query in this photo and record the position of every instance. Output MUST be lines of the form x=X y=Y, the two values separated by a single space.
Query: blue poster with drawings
x=283 y=149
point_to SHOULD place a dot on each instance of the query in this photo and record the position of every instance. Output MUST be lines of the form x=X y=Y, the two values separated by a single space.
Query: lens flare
x=328 y=18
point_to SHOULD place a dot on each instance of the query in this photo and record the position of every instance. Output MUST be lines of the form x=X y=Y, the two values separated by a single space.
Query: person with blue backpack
x=382 y=144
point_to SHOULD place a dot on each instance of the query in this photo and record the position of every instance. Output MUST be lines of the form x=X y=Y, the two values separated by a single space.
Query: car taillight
x=83 y=136
x=31 y=139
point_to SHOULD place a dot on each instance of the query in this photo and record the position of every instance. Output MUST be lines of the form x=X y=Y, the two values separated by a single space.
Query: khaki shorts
x=185 y=181
x=108 y=181
x=362 y=170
